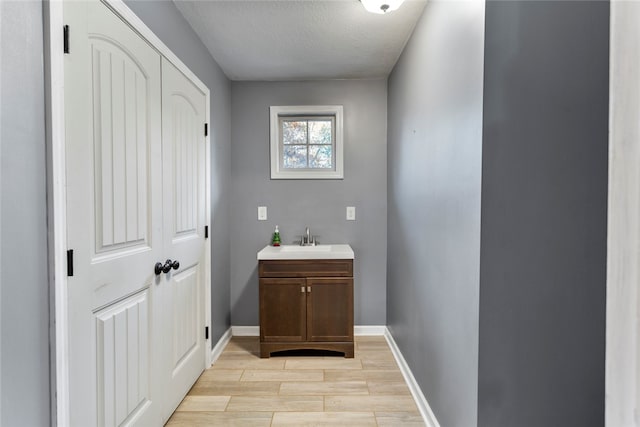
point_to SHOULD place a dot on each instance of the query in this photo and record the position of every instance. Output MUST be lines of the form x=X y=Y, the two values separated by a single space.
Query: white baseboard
x=245 y=331
x=358 y=330
x=216 y=351
x=369 y=330
x=421 y=401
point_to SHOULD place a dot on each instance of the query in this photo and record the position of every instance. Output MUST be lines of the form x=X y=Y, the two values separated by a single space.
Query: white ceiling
x=301 y=39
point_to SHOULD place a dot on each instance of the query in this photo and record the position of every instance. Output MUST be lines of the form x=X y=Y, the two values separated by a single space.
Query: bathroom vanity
x=306 y=298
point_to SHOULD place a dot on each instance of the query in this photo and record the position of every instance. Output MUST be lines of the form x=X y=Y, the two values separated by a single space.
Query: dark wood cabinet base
x=306 y=305
x=343 y=347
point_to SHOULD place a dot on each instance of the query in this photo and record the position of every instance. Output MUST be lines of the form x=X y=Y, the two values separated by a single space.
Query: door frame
x=56 y=192
x=622 y=348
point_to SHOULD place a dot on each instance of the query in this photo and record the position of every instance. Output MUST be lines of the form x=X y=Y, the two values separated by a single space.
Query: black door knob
x=167 y=266
x=158 y=268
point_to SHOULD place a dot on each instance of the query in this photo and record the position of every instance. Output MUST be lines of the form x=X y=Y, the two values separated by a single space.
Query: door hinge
x=206 y=129
x=70 y=262
x=206 y=332
x=206 y=231
x=66 y=38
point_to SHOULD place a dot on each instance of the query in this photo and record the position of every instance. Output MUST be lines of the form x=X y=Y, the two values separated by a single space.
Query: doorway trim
x=622 y=372
x=56 y=191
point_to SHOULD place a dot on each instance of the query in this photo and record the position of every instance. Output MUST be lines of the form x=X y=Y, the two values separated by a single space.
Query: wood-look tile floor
x=302 y=389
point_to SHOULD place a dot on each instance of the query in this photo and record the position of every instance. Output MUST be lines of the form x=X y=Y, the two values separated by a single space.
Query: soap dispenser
x=275 y=241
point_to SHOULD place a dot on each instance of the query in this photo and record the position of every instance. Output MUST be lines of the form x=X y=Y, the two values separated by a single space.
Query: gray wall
x=169 y=25
x=24 y=304
x=434 y=154
x=544 y=219
x=320 y=204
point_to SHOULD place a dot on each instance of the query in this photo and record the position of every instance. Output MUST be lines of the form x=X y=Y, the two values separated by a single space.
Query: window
x=306 y=142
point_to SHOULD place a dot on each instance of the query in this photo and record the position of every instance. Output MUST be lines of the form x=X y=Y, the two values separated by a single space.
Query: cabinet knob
x=302 y=289
x=309 y=289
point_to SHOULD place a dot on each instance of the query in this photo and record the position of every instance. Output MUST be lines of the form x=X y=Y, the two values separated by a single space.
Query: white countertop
x=306 y=252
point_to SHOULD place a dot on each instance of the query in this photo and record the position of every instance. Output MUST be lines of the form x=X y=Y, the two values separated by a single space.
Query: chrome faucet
x=307 y=239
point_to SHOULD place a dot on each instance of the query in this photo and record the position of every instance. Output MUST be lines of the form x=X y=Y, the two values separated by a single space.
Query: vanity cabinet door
x=329 y=309
x=283 y=309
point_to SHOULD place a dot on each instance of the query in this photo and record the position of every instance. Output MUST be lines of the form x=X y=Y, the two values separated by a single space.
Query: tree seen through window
x=307 y=143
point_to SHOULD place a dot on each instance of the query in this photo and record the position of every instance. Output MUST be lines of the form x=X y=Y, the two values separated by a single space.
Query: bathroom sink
x=305 y=249
x=306 y=252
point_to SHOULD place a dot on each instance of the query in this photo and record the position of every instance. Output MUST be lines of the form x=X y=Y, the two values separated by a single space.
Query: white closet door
x=114 y=214
x=183 y=148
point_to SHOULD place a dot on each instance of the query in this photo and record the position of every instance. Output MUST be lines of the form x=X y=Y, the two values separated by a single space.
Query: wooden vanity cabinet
x=306 y=304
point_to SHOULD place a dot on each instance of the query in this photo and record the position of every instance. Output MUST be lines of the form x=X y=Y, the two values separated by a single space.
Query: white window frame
x=277 y=170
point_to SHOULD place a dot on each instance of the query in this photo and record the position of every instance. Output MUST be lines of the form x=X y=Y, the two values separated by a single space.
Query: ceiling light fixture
x=381 y=6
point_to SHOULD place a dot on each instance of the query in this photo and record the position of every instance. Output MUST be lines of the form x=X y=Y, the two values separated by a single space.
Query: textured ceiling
x=301 y=39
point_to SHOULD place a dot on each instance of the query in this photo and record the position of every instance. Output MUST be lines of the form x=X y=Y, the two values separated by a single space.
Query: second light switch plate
x=262 y=213
x=351 y=213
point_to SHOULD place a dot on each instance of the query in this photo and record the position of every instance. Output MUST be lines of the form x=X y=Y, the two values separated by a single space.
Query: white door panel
x=186 y=313
x=135 y=196
x=183 y=146
x=123 y=361
x=114 y=218
x=121 y=160
x=184 y=121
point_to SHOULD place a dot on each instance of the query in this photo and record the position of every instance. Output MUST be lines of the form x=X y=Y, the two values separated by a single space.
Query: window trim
x=310 y=111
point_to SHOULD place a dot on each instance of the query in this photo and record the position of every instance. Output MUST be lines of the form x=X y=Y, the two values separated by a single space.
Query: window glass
x=320 y=156
x=320 y=132
x=294 y=132
x=294 y=156
x=307 y=143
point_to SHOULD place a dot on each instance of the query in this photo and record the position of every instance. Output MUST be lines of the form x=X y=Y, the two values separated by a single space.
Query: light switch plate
x=351 y=213
x=262 y=213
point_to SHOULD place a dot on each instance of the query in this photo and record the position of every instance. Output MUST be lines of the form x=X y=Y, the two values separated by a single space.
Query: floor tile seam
x=356 y=394
x=372 y=413
x=412 y=413
x=199 y=411
x=358 y=382
x=285 y=396
x=227 y=405
x=387 y=382
x=377 y=396
x=237 y=384
x=269 y=410
x=248 y=391
x=331 y=412
x=280 y=380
